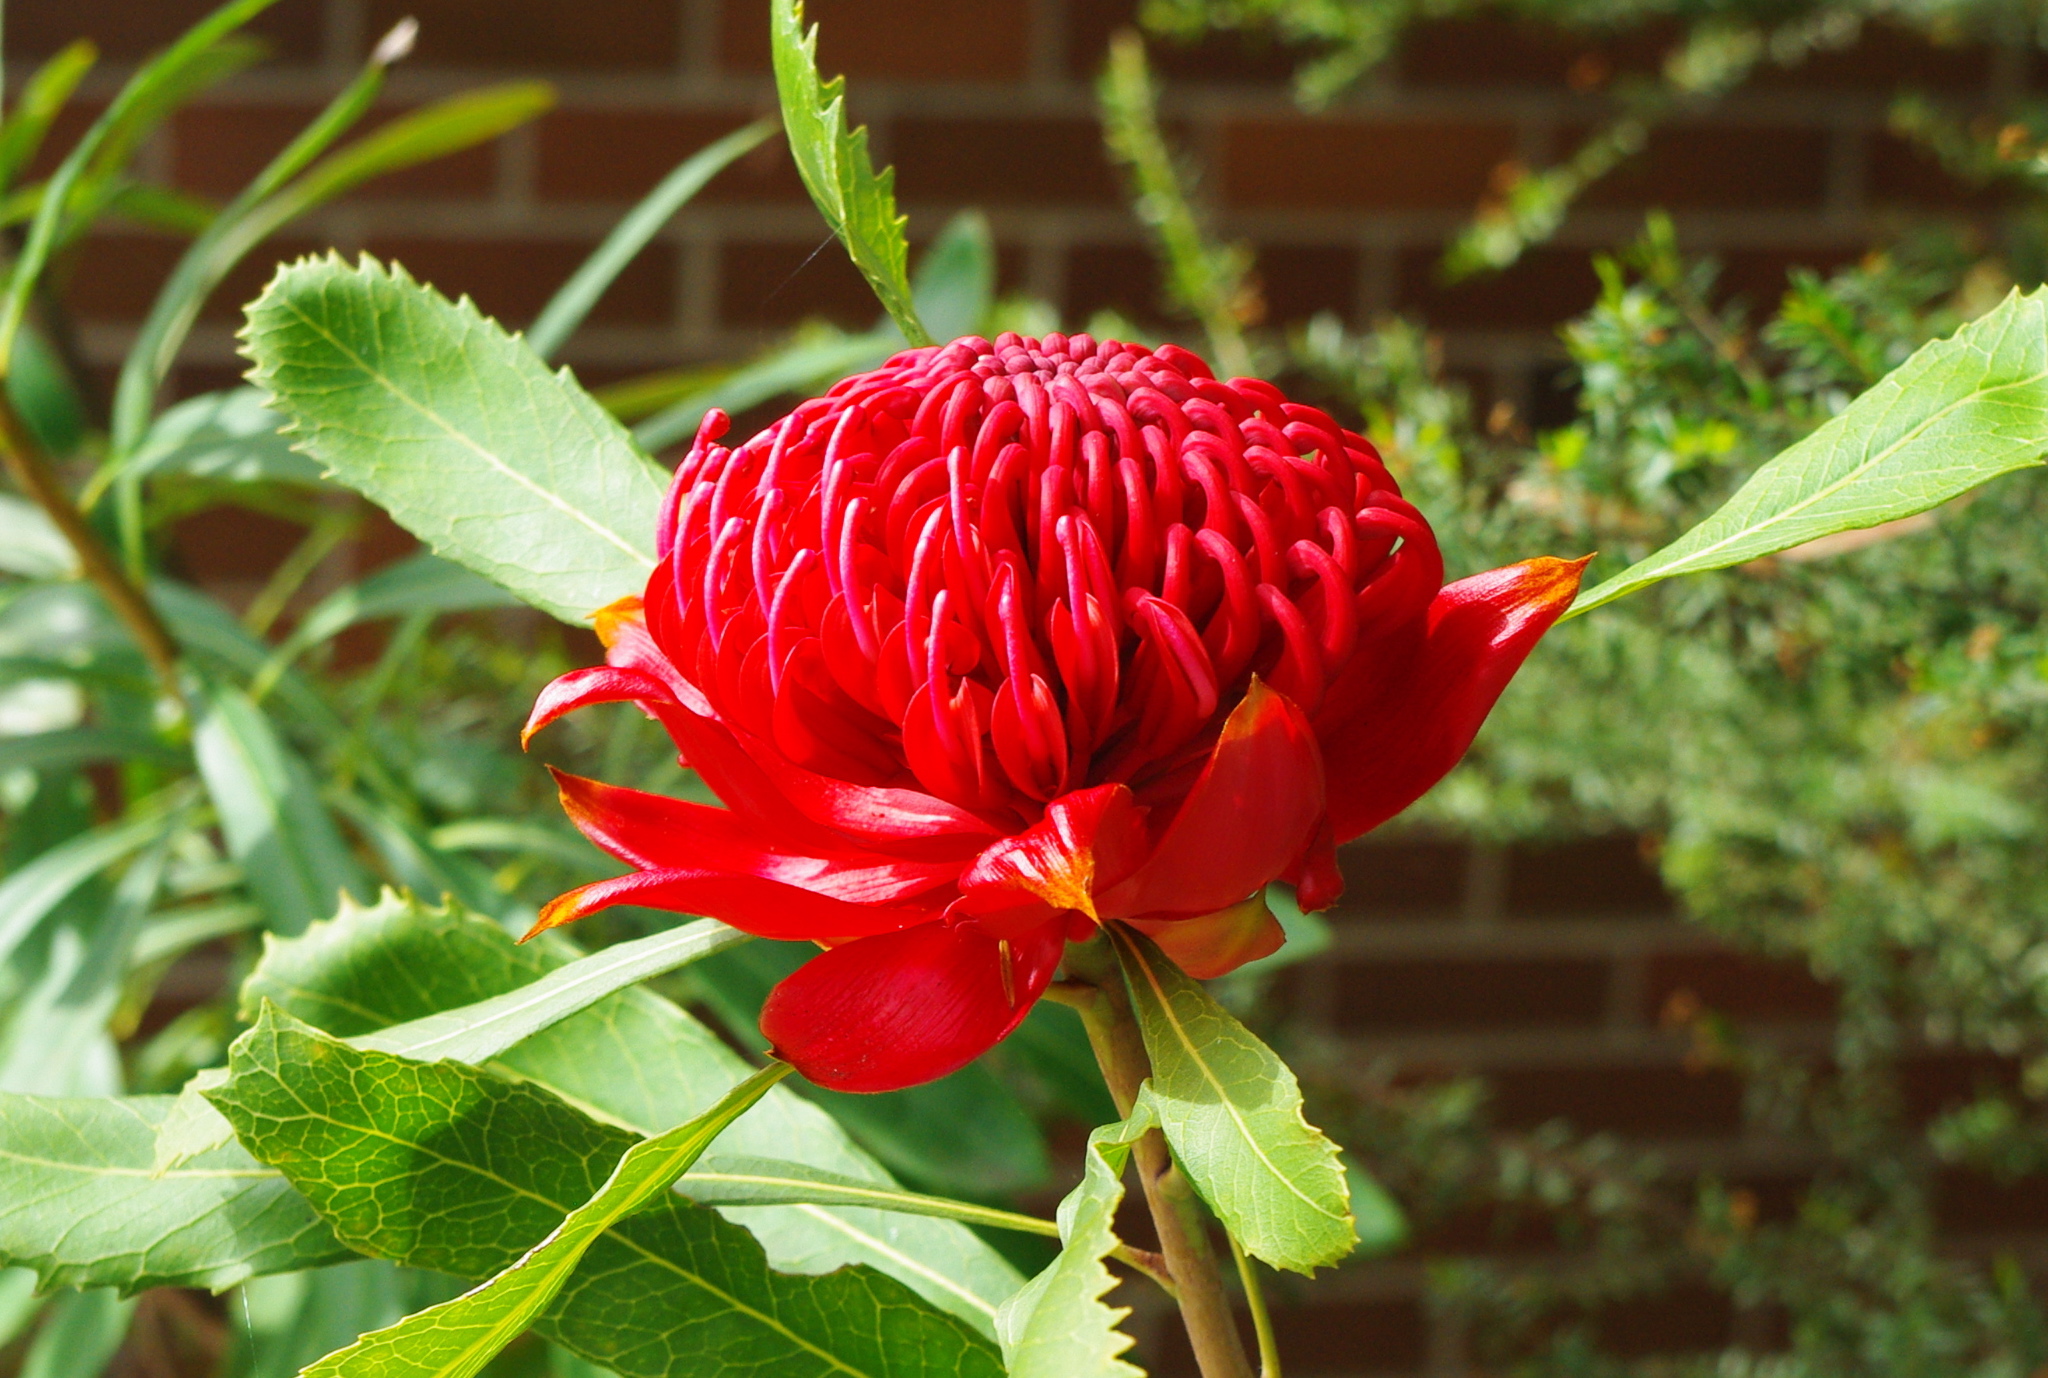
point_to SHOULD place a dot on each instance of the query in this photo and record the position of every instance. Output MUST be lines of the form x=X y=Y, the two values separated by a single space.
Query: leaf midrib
x=1828 y=490
x=448 y=428
x=1223 y=1096
x=703 y=1284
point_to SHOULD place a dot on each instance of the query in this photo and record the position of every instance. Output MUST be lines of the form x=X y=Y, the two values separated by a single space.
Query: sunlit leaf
x=1231 y=1112
x=459 y=431
x=1957 y=414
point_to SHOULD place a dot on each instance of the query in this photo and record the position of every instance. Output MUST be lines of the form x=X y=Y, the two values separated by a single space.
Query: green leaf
x=76 y=746
x=228 y=437
x=81 y=1202
x=858 y=204
x=44 y=95
x=441 y=1166
x=956 y=278
x=79 y=1336
x=1957 y=414
x=419 y=583
x=738 y=1181
x=634 y=1059
x=294 y=858
x=1231 y=1112
x=282 y=1323
x=29 y=895
x=476 y=1033
x=143 y=99
x=459 y=431
x=806 y=364
x=1058 y=1326
x=573 y=301
x=30 y=544
x=457 y=1338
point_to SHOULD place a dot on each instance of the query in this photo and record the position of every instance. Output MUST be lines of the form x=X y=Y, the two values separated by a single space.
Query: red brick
x=1356 y=165
x=1970 y=1201
x=513 y=279
x=1328 y=1338
x=1601 y=875
x=1301 y=280
x=1759 y=276
x=1234 y=59
x=1113 y=277
x=916 y=40
x=117 y=275
x=1935 y=1083
x=1493 y=52
x=1721 y=167
x=618 y=156
x=1684 y=1320
x=1403 y=877
x=587 y=35
x=125 y=30
x=781 y=284
x=1902 y=173
x=231 y=545
x=1737 y=983
x=1544 y=289
x=1480 y=993
x=997 y=162
x=1651 y=1101
x=1883 y=60
x=219 y=149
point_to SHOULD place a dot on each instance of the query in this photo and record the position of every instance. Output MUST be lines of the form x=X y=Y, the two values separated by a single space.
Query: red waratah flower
x=1000 y=642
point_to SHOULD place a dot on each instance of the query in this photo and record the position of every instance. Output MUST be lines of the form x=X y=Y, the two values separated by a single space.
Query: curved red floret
x=1004 y=640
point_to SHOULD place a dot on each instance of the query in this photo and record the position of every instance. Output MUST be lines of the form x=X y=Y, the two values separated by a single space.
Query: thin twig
x=1255 y=1298
x=37 y=478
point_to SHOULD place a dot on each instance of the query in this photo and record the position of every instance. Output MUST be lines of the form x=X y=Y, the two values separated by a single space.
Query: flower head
x=1000 y=642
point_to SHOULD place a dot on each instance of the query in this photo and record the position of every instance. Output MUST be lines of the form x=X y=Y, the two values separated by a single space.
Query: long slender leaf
x=440 y=1166
x=573 y=301
x=30 y=544
x=79 y=1336
x=29 y=895
x=858 y=204
x=76 y=746
x=1058 y=1326
x=476 y=1033
x=83 y=1203
x=42 y=98
x=1957 y=414
x=1231 y=1112
x=457 y=1338
x=167 y=72
x=723 y=1181
x=458 y=431
x=297 y=865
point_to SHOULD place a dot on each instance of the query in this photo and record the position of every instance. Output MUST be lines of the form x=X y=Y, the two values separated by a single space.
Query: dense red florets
x=1001 y=572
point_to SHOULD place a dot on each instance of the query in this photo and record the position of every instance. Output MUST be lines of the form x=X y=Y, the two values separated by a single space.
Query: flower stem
x=1177 y=1213
x=33 y=473
x=1262 y=1319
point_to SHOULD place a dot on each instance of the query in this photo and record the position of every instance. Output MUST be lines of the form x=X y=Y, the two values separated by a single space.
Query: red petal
x=596 y=684
x=622 y=627
x=1088 y=841
x=1257 y=802
x=1412 y=730
x=655 y=833
x=903 y=1008
x=764 y=908
x=1219 y=943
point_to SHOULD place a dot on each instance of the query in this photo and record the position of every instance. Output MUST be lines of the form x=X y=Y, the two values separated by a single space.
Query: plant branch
x=37 y=478
x=1177 y=1213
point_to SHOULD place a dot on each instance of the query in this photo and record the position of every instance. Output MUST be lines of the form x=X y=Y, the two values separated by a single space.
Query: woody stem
x=1178 y=1215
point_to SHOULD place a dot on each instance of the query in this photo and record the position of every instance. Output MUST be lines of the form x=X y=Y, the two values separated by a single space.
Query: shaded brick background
x=1546 y=970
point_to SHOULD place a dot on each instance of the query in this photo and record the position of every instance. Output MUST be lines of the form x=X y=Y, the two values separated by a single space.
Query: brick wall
x=1547 y=971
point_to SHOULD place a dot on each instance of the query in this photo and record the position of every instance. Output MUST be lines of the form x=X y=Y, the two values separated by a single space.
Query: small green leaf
x=567 y=308
x=29 y=895
x=1058 y=1325
x=956 y=278
x=229 y=437
x=296 y=863
x=36 y=109
x=30 y=544
x=441 y=1166
x=858 y=204
x=457 y=1338
x=1231 y=1111
x=82 y=1204
x=1957 y=414
x=79 y=1336
x=459 y=431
